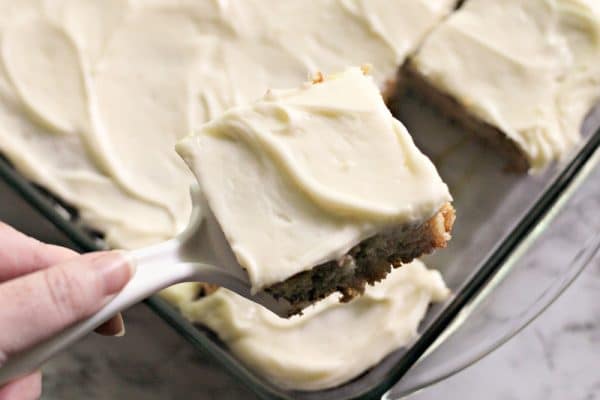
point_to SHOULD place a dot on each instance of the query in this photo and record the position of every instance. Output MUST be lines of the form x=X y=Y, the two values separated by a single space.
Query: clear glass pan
x=536 y=273
x=499 y=217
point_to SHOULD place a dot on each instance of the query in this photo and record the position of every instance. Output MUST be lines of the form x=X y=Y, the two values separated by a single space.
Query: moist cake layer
x=302 y=176
x=368 y=262
x=94 y=94
x=451 y=109
x=525 y=69
x=332 y=342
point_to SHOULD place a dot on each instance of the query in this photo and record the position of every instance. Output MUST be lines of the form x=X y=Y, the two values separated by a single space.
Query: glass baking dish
x=499 y=217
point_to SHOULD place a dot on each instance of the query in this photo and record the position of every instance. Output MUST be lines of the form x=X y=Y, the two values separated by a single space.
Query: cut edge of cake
x=366 y=263
x=415 y=82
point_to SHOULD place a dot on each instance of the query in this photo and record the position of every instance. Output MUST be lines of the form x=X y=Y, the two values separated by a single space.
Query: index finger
x=21 y=254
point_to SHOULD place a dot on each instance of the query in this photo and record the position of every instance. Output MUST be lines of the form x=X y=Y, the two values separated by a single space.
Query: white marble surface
x=556 y=357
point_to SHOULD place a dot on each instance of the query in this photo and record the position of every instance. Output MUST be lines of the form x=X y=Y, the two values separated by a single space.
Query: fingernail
x=113 y=327
x=120 y=325
x=121 y=333
x=115 y=270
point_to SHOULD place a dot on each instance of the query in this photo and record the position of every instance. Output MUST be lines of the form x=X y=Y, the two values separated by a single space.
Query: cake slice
x=520 y=73
x=319 y=189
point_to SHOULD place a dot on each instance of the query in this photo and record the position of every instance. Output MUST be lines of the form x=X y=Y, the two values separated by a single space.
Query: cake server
x=199 y=253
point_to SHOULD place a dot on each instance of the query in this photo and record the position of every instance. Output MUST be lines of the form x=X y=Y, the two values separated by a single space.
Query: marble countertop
x=554 y=358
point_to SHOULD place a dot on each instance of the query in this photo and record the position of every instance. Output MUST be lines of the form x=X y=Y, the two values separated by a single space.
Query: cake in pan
x=322 y=348
x=521 y=74
x=95 y=94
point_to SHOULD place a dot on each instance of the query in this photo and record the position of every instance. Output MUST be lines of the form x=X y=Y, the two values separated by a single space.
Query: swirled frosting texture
x=95 y=93
x=529 y=67
x=330 y=343
x=303 y=175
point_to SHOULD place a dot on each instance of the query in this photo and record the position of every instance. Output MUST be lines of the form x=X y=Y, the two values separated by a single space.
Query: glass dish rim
x=494 y=263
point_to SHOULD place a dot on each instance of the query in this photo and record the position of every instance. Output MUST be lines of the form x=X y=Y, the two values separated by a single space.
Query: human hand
x=46 y=288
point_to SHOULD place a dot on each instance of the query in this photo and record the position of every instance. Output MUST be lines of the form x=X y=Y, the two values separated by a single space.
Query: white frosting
x=332 y=342
x=95 y=93
x=528 y=67
x=301 y=176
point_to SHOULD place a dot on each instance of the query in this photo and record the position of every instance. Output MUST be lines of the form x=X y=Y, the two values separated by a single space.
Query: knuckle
x=65 y=292
x=36 y=252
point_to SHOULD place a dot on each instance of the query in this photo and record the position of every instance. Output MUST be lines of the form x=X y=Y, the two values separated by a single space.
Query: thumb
x=43 y=303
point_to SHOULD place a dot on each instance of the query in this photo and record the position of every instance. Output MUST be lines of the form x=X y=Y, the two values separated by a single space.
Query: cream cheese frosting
x=300 y=176
x=331 y=343
x=95 y=93
x=529 y=67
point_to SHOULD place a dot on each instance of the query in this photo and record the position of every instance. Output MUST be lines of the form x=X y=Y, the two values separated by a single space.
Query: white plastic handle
x=150 y=277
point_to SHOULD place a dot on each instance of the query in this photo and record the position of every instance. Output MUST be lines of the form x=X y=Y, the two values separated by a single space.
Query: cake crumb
x=366 y=68
x=318 y=77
